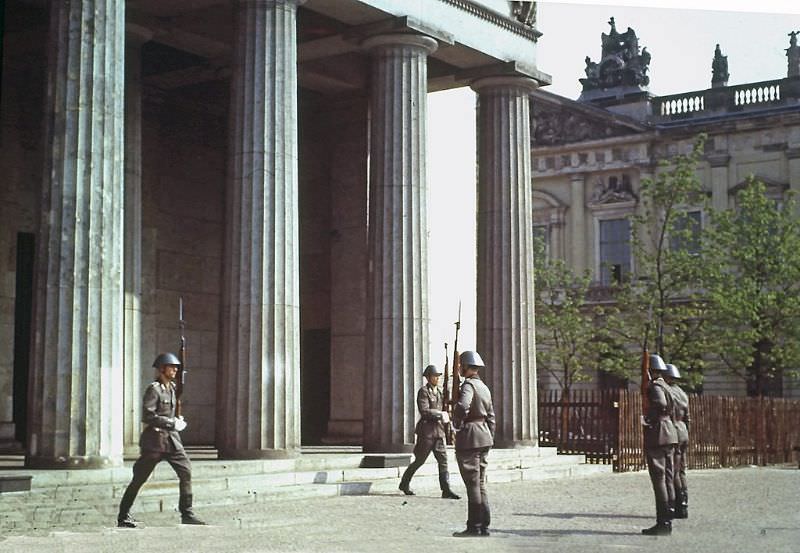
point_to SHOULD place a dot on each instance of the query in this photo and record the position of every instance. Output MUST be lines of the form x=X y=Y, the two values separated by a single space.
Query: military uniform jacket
x=473 y=416
x=430 y=402
x=680 y=412
x=158 y=413
x=660 y=430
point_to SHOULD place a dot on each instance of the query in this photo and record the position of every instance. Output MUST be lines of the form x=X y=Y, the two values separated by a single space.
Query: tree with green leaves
x=662 y=307
x=569 y=340
x=754 y=300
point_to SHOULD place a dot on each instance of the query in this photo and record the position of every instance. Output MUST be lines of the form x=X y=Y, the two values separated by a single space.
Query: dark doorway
x=315 y=378
x=23 y=311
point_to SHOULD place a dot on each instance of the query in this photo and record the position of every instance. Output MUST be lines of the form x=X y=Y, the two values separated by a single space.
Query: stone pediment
x=556 y=120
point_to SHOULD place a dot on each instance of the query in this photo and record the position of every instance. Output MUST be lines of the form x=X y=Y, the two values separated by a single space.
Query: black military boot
x=444 y=484
x=187 y=515
x=663 y=526
x=682 y=507
x=671 y=510
x=405 y=486
x=127 y=521
x=470 y=532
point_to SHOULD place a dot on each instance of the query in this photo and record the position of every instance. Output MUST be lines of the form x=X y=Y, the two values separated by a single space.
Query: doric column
x=577 y=222
x=132 y=361
x=76 y=420
x=505 y=299
x=259 y=395
x=397 y=274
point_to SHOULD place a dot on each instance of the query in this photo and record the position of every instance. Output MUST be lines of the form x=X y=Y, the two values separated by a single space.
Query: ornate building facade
x=590 y=155
x=265 y=161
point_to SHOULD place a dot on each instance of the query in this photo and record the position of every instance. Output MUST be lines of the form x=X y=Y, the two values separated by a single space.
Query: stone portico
x=264 y=160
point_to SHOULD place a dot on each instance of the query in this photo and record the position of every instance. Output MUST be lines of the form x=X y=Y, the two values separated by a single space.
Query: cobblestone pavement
x=747 y=509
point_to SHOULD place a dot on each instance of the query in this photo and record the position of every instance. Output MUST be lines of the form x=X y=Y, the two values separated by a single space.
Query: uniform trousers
x=143 y=468
x=422 y=449
x=659 y=465
x=472 y=465
x=679 y=470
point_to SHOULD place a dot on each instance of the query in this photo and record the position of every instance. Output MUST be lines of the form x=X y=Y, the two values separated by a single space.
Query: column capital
x=504 y=82
x=270 y=2
x=488 y=75
x=376 y=42
x=397 y=26
x=719 y=159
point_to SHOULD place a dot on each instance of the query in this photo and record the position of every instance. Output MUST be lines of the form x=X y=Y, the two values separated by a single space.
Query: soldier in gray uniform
x=473 y=418
x=660 y=438
x=160 y=441
x=430 y=433
x=681 y=420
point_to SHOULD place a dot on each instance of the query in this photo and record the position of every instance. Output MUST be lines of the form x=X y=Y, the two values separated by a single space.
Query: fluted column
x=397 y=277
x=76 y=420
x=132 y=360
x=259 y=394
x=505 y=299
x=577 y=222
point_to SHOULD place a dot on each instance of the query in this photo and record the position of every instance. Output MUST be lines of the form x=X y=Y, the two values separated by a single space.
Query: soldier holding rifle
x=473 y=417
x=660 y=438
x=161 y=439
x=681 y=420
x=430 y=432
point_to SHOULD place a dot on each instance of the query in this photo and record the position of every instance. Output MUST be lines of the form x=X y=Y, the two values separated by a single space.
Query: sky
x=680 y=36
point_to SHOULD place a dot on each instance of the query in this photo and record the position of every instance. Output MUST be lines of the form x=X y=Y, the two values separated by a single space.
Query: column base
x=245 y=454
x=388 y=448
x=79 y=463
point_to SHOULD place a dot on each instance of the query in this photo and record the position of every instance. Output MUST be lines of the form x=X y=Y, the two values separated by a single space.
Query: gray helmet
x=657 y=364
x=672 y=371
x=431 y=370
x=166 y=359
x=471 y=358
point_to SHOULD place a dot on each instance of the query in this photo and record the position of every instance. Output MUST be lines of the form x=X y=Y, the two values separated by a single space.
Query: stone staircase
x=74 y=498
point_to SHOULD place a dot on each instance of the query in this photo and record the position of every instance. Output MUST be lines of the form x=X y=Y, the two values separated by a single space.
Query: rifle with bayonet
x=449 y=433
x=455 y=388
x=180 y=378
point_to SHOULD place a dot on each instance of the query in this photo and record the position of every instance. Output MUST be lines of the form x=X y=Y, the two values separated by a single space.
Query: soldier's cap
x=431 y=370
x=672 y=371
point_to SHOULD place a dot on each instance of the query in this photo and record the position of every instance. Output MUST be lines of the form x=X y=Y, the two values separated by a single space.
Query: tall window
x=615 y=250
x=686 y=232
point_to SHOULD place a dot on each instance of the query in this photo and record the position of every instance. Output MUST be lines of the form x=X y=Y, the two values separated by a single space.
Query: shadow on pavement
x=581 y=515
x=561 y=533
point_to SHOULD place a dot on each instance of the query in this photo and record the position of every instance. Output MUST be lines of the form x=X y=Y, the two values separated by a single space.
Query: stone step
x=86 y=498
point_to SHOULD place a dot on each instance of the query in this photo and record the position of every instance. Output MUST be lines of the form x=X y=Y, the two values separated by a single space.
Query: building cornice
x=495 y=18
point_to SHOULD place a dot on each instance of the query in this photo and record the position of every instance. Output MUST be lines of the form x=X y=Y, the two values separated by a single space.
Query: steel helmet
x=471 y=359
x=166 y=359
x=672 y=371
x=431 y=370
x=657 y=364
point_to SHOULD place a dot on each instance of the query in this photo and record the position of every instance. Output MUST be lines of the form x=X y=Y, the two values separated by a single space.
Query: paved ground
x=747 y=509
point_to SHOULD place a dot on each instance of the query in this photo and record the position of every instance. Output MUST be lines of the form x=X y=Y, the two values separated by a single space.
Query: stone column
x=397 y=260
x=259 y=392
x=132 y=361
x=505 y=299
x=76 y=381
x=577 y=222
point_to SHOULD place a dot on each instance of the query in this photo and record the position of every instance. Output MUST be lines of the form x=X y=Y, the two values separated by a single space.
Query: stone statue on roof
x=621 y=65
x=719 y=69
x=524 y=12
x=793 y=53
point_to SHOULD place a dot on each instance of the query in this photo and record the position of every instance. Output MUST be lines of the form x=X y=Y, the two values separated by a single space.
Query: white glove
x=445 y=417
x=180 y=424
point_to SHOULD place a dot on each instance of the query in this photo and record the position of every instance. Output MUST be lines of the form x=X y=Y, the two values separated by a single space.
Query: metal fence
x=605 y=425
